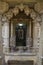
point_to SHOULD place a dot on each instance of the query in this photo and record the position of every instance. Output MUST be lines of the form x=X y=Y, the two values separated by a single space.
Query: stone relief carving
x=33 y=14
x=21 y=7
x=37 y=7
x=27 y=10
x=4 y=18
x=3 y=7
x=9 y=14
x=15 y=11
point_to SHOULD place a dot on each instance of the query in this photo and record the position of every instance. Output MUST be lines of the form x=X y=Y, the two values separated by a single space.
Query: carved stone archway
x=6 y=15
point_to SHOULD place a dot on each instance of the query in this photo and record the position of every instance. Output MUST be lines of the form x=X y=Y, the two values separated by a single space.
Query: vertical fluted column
x=29 y=33
x=12 y=39
x=11 y=29
x=30 y=29
x=29 y=36
x=34 y=34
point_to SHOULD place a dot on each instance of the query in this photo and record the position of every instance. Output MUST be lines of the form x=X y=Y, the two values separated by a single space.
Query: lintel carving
x=9 y=12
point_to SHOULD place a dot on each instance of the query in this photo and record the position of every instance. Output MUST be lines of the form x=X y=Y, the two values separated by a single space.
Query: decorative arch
x=6 y=16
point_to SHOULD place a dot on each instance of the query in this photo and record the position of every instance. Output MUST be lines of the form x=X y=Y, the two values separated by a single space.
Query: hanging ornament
x=21 y=7
x=27 y=10
x=15 y=11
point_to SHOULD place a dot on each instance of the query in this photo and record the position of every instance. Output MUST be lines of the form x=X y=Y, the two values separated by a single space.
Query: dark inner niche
x=20 y=31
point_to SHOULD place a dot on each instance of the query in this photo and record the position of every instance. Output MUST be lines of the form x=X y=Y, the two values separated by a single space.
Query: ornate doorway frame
x=6 y=16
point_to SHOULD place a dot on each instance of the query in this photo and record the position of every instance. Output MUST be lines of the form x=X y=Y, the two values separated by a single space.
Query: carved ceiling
x=7 y=10
x=5 y=6
x=23 y=0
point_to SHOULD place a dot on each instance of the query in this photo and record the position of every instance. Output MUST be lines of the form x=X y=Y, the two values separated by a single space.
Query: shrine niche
x=20 y=33
x=19 y=38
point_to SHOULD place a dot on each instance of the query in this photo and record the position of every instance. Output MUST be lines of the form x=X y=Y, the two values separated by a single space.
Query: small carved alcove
x=21 y=14
x=27 y=28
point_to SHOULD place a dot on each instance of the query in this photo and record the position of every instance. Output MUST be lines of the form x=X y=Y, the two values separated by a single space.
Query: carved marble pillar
x=42 y=35
x=40 y=54
x=5 y=35
x=5 y=32
x=36 y=34
x=12 y=39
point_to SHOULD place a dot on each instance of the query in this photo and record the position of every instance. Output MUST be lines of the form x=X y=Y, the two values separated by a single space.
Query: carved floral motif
x=27 y=10
x=37 y=7
x=9 y=14
x=21 y=7
x=15 y=11
x=3 y=7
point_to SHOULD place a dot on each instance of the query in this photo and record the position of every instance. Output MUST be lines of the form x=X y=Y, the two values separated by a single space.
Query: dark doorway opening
x=21 y=30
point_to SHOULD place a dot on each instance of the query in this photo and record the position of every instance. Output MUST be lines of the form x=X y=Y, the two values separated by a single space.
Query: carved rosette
x=3 y=7
x=37 y=7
